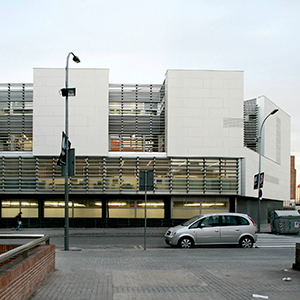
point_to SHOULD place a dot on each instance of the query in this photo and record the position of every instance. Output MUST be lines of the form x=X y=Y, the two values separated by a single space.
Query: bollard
x=296 y=265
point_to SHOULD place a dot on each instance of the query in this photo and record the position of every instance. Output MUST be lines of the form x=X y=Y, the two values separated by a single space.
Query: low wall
x=20 y=280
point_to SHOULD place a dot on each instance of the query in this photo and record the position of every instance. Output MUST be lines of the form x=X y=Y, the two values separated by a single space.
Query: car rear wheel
x=246 y=242
x=186 y=243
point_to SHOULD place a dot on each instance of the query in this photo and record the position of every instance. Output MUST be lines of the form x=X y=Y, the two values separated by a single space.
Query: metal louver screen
x=16 y=110
x=136 y=118
x=103 y=175
x=250 y=124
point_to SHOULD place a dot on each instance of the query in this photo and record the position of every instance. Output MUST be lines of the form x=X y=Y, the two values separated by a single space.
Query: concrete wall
x=204 y=113
x=88 y=111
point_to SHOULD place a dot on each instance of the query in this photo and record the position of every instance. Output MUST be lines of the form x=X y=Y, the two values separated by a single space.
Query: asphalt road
x=86 y=239
x=127 y=242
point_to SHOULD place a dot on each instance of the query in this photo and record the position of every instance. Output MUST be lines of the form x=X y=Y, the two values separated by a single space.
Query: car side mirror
x=202 y=225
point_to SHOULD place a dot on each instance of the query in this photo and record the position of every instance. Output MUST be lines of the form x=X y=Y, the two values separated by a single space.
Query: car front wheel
x=246 y=242
x=186 y=243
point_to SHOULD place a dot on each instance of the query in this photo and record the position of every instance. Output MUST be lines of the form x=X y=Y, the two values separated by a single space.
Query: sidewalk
x=167 y=273
x=206 y=273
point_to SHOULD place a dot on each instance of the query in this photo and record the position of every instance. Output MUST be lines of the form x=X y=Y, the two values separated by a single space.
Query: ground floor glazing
x=46 y=208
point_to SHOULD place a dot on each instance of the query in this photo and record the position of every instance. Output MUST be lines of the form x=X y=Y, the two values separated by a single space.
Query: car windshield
x=190 y=221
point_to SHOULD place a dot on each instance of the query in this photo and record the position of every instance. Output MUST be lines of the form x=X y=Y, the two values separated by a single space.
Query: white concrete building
x=195 y=131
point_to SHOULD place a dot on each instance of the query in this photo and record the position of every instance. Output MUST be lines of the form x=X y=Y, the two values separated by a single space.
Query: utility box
x=285 y=221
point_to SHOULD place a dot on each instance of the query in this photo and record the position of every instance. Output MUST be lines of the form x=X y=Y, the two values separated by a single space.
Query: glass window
x=121 y=208
x=113 y=174
x=29 y=203
x=179 y=172
x=196 y=224
x=120 y=204
x=150 y=204
x=214 y=206
x=28 y=207
x=162 y=174
x=211 y=221
x=184 y=209
x=95 y=173
x=229 y=221
x=196 y=174
x=56 y=203
x=190 y=221
x=10 y=203
x=186 y=204
x=129 y=174
x=243 y=221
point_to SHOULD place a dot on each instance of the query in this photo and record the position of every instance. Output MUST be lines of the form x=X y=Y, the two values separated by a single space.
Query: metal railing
x=39 y=238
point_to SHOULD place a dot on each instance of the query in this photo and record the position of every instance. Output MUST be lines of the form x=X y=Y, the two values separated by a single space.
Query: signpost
x=146 y=184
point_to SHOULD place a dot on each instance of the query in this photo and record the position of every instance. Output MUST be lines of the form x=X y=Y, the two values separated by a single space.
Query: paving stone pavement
x=155 y=274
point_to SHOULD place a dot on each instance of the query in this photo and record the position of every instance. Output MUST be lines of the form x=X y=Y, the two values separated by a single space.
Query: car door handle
x=216 y=230
x=237 y=229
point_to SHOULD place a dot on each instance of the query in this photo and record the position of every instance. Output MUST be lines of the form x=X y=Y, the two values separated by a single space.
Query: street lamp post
x=66 y=235
x=259 y=164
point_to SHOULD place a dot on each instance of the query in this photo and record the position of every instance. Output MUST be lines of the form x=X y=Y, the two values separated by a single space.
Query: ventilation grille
x=232 y=123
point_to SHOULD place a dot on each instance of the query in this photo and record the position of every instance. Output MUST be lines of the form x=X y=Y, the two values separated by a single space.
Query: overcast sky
x=139 y=40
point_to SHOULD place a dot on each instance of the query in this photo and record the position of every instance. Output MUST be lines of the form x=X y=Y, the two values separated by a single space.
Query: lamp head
x=76 y=59
x=274 y=111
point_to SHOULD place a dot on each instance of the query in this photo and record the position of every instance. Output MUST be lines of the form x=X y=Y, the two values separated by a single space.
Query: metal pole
x=259 y=171
x=259 y=167
x=145 y=229
x=66 y=236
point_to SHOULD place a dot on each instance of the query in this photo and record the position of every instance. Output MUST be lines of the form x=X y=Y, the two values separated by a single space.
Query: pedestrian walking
x=19 y=220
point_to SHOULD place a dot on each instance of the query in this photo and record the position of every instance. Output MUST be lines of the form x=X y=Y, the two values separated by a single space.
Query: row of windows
x=104 y=175
x=216 y=221
x=116 y=208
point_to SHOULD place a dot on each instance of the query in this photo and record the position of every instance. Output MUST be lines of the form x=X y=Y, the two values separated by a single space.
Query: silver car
x=217 y=228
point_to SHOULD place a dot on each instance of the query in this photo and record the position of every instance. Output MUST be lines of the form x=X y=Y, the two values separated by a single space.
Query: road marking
x=104 y=247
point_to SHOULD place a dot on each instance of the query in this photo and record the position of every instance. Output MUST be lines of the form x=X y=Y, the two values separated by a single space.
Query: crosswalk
x=277 y=241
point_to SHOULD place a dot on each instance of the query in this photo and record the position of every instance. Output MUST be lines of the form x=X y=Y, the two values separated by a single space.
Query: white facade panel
x=275 y=150
x=88 y=111
x=202 y=100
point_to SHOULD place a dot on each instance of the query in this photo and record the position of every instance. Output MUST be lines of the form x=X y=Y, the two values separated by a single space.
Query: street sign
x=255 y=181
x=149 y=180
x=256 y=178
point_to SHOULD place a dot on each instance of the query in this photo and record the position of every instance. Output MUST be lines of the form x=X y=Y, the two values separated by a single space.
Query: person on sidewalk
x=19 y=220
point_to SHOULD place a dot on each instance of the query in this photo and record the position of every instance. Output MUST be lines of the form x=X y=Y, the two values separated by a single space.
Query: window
x=243 y=221
x=229 y=221
x=196 y=224
x=28 y=207
x=211 y=221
